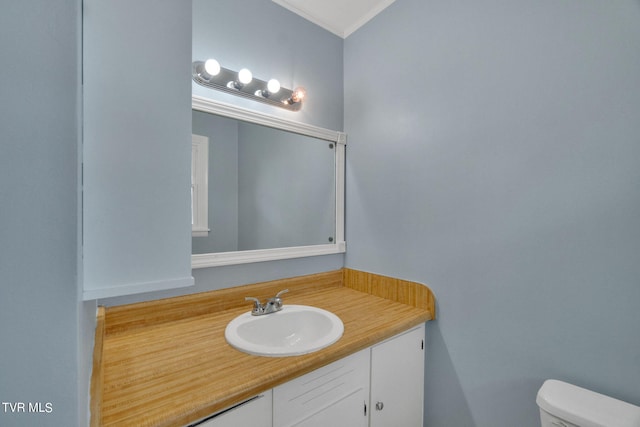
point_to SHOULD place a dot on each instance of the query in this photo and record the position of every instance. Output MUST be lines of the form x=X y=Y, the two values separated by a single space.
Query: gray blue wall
x=45 y=333
x=494 y=154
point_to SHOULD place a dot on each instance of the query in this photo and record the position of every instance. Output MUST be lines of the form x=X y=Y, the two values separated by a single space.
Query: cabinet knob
x=379 y=406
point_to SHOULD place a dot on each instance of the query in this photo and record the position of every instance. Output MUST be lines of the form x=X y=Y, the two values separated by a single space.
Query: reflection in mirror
x=267 y=188
x=263 y=188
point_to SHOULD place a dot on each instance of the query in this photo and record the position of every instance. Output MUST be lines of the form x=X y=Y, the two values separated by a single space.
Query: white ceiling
x=341 y=17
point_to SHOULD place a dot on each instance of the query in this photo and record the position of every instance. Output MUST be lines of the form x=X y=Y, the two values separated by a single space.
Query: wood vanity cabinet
x=380 y=386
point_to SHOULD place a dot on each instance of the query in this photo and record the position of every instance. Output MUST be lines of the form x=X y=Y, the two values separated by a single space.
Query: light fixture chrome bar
x=227 y=81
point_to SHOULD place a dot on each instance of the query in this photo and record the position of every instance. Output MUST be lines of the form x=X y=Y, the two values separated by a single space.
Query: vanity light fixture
x=242 y=83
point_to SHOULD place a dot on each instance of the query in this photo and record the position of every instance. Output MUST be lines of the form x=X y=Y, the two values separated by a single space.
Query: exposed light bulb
x=212 y=67
x=245 y=76
x=273 y=86
x=298 y=94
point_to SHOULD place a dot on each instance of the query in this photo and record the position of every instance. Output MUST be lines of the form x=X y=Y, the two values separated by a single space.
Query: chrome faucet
x=271 y=306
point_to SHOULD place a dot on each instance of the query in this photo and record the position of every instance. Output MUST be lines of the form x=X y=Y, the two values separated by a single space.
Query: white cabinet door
x=253 y=413
x=397 y=380
x=334 y=395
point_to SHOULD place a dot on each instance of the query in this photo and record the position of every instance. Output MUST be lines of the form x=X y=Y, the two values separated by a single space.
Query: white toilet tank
x=566 y=405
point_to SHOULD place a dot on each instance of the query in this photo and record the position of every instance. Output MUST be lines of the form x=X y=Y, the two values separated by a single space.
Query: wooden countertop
x=167 y=363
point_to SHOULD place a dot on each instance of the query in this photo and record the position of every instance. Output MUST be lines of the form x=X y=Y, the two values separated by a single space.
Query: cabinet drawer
x=310 y=394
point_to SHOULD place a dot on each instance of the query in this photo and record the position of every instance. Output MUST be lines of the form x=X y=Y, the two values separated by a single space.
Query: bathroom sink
x=295 y=330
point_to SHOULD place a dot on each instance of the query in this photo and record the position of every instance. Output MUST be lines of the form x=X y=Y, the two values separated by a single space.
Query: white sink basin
x=295 y=330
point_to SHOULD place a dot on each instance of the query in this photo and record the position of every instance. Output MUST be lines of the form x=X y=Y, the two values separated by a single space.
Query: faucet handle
x=284 y=291
x=275 y=303
x=257 y=306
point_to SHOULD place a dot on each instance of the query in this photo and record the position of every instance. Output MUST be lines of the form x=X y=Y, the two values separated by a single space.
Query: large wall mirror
x=263 y=188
